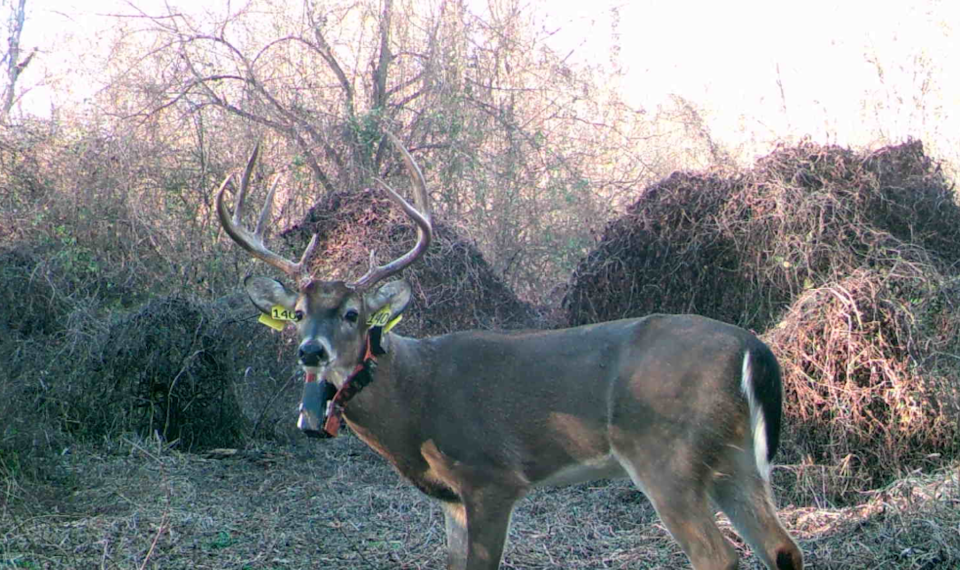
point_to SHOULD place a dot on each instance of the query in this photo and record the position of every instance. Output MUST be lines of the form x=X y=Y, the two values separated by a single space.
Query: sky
x=804 y=68
x=838 y=72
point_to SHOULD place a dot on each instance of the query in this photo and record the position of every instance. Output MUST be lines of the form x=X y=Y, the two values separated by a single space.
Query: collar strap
x=361 y=376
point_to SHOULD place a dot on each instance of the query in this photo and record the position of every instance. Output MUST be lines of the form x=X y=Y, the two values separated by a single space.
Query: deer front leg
x=477 y=531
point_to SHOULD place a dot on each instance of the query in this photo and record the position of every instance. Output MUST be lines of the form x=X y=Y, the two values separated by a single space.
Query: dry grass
x=137 y=504
x=913 y=523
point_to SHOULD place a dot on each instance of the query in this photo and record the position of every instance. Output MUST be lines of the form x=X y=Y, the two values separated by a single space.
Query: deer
x=687 y=407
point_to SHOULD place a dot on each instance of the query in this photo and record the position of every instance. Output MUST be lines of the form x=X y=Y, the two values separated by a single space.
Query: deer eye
x=298 y=315
x=351 y=315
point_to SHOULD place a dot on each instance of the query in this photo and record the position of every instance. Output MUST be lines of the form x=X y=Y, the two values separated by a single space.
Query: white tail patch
x=758 y=424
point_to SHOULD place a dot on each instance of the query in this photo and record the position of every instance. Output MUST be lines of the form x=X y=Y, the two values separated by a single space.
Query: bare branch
x=323 y=48
x=383 y=63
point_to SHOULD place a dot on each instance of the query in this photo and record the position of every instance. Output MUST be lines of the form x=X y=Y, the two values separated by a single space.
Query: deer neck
x=384 y=406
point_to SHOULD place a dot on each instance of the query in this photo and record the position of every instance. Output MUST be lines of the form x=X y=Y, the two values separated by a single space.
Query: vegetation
x=129 y=355
x=846 y=261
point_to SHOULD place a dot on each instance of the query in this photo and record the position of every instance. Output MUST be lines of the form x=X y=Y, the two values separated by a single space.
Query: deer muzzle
x=313 y=354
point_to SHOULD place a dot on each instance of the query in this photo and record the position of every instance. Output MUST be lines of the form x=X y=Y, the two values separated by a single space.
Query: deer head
x=332 y=317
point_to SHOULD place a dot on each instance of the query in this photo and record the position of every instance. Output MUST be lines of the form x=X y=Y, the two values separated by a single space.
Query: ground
x=134 y=504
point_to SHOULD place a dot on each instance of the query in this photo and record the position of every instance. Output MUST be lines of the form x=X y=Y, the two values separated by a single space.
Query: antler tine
x=245 y=183
x=267 y=211
x=253 y=242
x=420 y=217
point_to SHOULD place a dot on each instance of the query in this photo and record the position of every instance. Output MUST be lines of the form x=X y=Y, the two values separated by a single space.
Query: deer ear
x=395 y=294
x=266 y=292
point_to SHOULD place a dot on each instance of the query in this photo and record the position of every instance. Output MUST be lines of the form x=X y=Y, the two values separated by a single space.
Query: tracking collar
x=361 y=376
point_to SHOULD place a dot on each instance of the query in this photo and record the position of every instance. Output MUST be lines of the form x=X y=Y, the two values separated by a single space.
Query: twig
x=156 y=538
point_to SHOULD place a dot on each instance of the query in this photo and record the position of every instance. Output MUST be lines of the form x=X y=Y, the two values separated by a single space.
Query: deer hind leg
x=686 y=515
x=477 y=530
x=683 y=505
x=746 y=499
x=457 y=541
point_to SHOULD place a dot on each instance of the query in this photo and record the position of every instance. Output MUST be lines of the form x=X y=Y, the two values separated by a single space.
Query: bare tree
x=526 y=147
x=11 y=60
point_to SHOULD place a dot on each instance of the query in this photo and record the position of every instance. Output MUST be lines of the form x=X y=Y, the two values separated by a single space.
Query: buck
x=687 y=407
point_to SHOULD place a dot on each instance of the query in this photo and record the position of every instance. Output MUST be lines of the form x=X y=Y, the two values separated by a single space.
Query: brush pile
x=454 y=287
x=847 y=262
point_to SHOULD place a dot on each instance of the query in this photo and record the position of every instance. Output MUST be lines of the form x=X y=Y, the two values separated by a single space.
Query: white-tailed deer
x=687 y=407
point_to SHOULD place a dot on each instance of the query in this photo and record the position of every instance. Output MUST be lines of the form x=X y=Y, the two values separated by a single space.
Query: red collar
x=357 y=380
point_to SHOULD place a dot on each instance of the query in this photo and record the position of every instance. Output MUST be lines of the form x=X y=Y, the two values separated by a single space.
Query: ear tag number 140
x=282 y=314
x=278 y=317
x=380 y=318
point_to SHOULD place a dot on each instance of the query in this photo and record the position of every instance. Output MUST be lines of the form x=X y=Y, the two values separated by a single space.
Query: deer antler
x=253 y=242
x=420 y=217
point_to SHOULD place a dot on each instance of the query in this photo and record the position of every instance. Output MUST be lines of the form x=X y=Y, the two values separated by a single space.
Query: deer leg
x=457 y=540
x=686 y=515
x=477 y=530
x=747 y=501
x=683 y=505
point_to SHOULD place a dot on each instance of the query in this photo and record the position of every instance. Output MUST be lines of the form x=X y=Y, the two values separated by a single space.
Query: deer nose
x=312 y=354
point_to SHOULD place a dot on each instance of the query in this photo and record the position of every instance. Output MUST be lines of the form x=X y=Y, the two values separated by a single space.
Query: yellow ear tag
x=380 y=318
x=278 y=318
x=271 y=322
x=391 y=324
